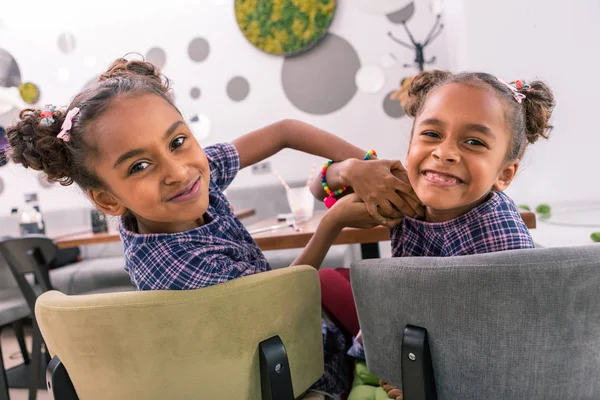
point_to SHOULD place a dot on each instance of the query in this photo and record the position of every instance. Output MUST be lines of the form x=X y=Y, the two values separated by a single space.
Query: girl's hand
x=350 y=211
x=384 y=187
x=392 y=391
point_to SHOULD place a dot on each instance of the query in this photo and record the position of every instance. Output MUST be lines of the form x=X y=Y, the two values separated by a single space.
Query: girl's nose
x=174 y=172
x=447 y=153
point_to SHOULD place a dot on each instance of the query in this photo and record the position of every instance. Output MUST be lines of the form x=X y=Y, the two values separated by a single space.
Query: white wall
x=118 y=27
x=556 y=41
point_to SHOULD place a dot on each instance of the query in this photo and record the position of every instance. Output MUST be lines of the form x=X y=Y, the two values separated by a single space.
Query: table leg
x=369 y=250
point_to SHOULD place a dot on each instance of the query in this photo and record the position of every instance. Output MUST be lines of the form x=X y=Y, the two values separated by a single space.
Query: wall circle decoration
x=156 y=56
x=200 y=126
x=238 y=88
x=195 y=93
x=198 y=49
x=30 y=92
x=321 y=81
x=402 y=15
x=381 y=7
x=392 y=106
x=370 y=78
x=10 y=74
x=284 y=27
x=67 y=42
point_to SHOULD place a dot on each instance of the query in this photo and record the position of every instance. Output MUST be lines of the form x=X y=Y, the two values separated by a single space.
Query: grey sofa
x=521 y=324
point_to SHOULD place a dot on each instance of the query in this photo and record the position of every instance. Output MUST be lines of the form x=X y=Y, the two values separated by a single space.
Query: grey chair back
x=30 y=256
x=520 y=324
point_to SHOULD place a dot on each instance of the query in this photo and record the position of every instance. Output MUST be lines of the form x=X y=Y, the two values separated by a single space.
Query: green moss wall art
x=284 y=27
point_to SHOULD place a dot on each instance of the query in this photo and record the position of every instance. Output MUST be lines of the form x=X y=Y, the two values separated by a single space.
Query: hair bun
x=143 y=69
x=539 y=104
x=35 y=145
x=420 y=87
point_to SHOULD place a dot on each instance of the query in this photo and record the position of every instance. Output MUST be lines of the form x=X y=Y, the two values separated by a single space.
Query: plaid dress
x=494 y=225
x=216 y=252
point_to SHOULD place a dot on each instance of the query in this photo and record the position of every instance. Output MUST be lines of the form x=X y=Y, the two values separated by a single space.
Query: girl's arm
x=382 y=184
x=291 y=134
x=349 y=211
x=265 y=142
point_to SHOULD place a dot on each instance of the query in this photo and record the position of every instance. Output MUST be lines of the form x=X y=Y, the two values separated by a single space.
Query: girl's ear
x=106 y=202
x=506 y=175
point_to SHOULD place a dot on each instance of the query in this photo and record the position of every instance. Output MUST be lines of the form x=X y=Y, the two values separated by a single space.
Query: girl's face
x=151 y=164
x=458 y=148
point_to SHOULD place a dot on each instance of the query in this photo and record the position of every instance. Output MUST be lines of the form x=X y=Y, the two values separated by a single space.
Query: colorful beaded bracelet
x=332 y=194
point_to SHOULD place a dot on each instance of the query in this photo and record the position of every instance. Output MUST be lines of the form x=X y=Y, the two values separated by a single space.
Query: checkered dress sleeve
x=224 y=162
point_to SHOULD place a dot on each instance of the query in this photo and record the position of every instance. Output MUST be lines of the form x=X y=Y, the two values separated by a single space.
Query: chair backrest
x=196 y=344
x=7 y=280
x=29 y=256
x=518 y=324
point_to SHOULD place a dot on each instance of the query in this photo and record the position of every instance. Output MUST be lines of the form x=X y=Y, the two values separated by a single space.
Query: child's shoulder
x=221 y=152
x=224 y=161
x=501 y=227
x=501 y=204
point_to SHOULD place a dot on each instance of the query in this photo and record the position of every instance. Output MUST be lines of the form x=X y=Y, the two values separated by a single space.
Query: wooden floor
x=12 y=356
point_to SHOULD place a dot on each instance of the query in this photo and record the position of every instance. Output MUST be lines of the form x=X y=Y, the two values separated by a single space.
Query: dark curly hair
x=36 y=146
x=528 y=120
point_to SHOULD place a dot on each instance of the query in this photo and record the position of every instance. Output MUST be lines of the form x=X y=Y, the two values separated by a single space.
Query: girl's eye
x=177 y=142
x=431 y=134
x=475 y=142
x=138 y=167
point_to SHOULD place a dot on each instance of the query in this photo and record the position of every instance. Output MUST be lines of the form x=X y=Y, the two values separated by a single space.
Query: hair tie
x=67 y=125
x=515 y=90
x=47 y=114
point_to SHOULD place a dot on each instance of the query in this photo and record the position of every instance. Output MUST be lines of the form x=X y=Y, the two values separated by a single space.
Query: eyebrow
x=470 y=127
x=480 y=128
x=136 y=152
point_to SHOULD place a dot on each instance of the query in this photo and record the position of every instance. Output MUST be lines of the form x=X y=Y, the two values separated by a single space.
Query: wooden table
x=288 y=238
x=85 y=237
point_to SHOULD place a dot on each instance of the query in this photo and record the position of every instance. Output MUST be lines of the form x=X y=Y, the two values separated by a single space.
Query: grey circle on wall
x=10 y=74
x=392 y=108
x=321 y=81
x=1 y=185
x=44 y=182
x=402 y=15
x=198 y=49
x=156 y=56
x=238 y=88
x=195 y=93
x=66 y=42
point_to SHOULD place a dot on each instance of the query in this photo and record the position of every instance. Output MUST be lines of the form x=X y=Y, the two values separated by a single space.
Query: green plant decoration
x=284 y=27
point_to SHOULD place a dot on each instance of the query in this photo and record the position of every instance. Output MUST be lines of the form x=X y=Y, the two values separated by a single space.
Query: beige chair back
x=196 y=344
